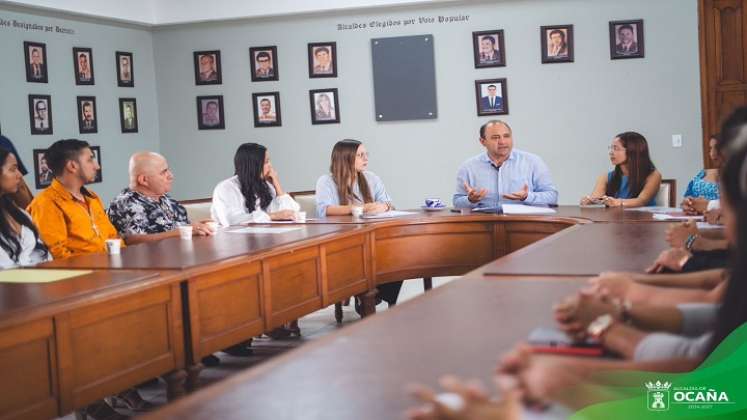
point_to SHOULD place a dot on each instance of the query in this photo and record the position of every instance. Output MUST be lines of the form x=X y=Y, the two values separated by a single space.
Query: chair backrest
x=307 y=201
x=198 y=209
x=667 y=195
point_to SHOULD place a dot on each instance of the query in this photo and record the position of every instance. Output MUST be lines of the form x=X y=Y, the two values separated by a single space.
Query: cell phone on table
x=554 y=341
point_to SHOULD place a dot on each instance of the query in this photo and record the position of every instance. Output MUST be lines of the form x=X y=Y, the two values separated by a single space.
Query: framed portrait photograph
x=626 y=39
x=40 y=114
x=207 y=68
x=266 y=109
x=489 y=49
x=87 y=117
x=210 y=113
x=323 y=59
x=83 y=63
x=557 y=44
x=491 y=96
x=125 y=69
x=264 y=63
x=97 y=155
x=128 y=115
x=36 y=61
x=43 y=176
x=325 y=107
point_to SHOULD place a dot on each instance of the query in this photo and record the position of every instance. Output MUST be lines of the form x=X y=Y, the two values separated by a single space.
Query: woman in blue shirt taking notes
x=704 y=187
x=349 y=184
x=634 y=182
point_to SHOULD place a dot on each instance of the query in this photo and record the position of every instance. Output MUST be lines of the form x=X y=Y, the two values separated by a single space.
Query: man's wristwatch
x=599 y=326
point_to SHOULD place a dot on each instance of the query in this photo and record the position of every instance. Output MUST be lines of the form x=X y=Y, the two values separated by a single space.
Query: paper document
x=681 y=216
x=388 y=214
x=38 y=275
x=523 y=209
x=706 y=225
x=276 y=230
x=652 y=209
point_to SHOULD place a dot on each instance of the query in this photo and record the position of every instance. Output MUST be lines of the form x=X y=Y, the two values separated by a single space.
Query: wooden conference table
x=158 y=308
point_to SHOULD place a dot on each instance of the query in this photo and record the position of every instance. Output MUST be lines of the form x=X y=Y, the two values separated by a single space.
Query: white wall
x=567 y=113
x=104 y=39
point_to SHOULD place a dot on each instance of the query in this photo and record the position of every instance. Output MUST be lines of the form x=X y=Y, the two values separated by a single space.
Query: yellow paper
x=38 y=275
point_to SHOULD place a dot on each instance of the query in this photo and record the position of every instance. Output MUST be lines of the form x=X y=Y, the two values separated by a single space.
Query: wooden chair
x=667 y=195
x=198 y=209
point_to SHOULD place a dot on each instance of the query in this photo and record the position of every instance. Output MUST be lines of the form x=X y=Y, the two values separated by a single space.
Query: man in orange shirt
x=70 y=217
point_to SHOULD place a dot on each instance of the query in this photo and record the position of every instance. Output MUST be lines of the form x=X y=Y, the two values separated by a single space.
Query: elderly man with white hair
x=144 y=212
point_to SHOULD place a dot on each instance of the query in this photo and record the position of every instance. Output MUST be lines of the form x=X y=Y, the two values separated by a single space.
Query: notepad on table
x=38 y=275
x=524 y=209
x=675 y=217
x=252 y=229
x=388 y=214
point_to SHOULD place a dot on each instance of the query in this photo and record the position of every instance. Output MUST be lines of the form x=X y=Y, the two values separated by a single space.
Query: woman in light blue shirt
x=349 y=184
x=634 y=182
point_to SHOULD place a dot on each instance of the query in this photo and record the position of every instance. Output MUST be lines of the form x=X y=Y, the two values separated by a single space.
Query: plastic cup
x=113 y=246
x=357 y=211
x=185 y=232
x=301 y=216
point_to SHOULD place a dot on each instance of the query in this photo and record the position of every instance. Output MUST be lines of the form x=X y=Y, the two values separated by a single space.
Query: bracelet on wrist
x=690 y=241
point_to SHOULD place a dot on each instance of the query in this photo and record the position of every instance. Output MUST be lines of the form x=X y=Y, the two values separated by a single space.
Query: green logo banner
x=717 y=389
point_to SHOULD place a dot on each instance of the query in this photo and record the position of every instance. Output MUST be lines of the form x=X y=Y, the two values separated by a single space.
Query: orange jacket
x=67 y=226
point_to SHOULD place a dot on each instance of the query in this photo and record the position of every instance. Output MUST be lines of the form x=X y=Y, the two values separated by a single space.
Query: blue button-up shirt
x=521 y=168
x=326 y=192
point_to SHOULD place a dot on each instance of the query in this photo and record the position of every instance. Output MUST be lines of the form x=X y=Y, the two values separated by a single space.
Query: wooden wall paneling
x=293 y=285
x=110 y=346
x=225 y=308
x=723 y=61
x=431 y=250
x=28 y=383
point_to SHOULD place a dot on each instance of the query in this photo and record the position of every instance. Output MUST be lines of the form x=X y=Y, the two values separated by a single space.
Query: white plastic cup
x=301 y=216
x=357 y=211
x=113 y=246
x=185 y=232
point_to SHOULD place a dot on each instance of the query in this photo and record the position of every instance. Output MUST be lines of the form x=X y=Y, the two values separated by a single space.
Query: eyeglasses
x=362 y=155
x=263 y=60
x=615 y=148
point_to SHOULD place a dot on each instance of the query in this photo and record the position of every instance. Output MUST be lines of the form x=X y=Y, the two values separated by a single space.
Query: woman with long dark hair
x=634 y=182
x=704 y=188
x=350 y=184
x=253 y=194
x=20 y=244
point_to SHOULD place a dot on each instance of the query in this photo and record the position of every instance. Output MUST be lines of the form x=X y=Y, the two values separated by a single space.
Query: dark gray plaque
x=404 y=78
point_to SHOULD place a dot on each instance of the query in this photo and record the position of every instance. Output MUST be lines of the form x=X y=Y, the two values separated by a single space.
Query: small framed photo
x=491 y=96
x=323 y=59
x=40 y=114
x=557 y=44
x=43 y=176
x=264 y=63
x=97 y=155
x=125 y=69
x=489 y=49
x=87 y=117
x=266 y=109
x=36 y=61
x=128 y=115
x=325 y=108
x=626 y=39
x=83 y=63
x=207 y=68
x=210 y=113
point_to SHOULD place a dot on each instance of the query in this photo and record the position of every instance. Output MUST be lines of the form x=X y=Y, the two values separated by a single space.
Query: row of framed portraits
x=324 y=106
x=37 y=65
x=322 y=58
x=41 y=122
x=43 y=175
x=556 y=43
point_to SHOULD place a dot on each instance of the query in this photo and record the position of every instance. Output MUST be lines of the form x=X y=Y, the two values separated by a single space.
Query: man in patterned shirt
x=144 y=212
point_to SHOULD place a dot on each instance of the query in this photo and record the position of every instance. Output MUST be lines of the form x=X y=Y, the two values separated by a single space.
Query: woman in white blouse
x=20 y=244
x=253 y=194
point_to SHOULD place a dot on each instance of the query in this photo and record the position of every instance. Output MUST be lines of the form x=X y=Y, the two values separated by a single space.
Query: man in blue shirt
x=503 y=173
